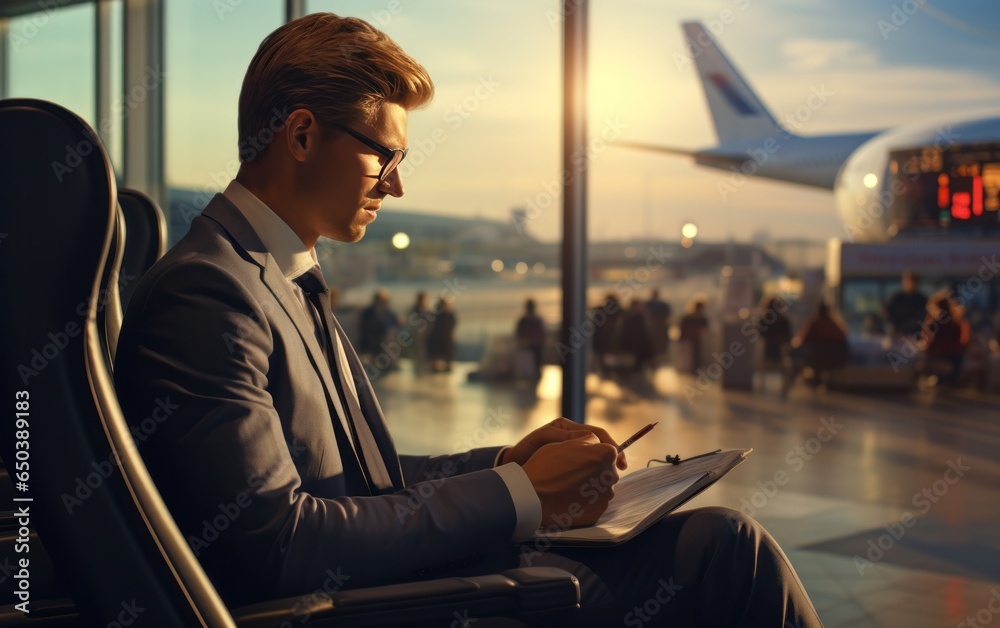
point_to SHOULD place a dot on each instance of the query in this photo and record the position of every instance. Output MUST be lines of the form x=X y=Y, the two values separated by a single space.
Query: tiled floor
x=835 y=477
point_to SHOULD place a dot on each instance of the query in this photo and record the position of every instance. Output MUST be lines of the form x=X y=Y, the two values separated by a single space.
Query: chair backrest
x=109 y=534
x=146 y=242
x=109 y=302
x=138 y=239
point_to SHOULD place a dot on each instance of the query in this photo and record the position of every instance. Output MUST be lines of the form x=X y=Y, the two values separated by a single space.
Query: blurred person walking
x=905 y=310
x=530 y=335
x=820 y=346
x=659 y=312
x=945 y=336
x=441 y=339
x=694 y=329
x=376 y=323
x=635 y=338
x=606 y=318
x=418 y=325
x=776 y=331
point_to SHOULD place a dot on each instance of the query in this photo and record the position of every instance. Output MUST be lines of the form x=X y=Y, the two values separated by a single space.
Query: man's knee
x=725 y=525
x=715 y=536
x=739 y=522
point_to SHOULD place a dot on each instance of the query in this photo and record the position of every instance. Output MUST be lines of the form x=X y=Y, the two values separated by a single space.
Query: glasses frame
x=385 y=151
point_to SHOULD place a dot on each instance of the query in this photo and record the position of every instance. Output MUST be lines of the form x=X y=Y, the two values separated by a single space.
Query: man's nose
x=393 y=184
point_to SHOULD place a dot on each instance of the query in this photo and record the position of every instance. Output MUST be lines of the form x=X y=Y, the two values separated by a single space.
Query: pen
x=636 y=437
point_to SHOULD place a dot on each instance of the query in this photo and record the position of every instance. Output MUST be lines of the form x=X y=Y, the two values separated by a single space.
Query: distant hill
x=420 y=226
x=443 y=245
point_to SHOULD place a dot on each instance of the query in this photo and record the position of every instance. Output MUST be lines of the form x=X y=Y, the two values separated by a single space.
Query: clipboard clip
x=676 y=459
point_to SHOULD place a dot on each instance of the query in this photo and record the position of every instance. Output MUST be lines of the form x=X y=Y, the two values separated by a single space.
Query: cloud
x=817 y=54
x=880 y=97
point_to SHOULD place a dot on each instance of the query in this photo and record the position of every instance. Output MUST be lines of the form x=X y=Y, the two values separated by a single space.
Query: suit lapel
x=222 y=211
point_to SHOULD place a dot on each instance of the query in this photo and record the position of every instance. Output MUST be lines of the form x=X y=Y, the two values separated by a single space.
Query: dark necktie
x=374 y=467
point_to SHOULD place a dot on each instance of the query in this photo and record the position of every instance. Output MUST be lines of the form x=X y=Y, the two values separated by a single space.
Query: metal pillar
x=143 y=100
x=294 y=9
x=574 y=179
x=104 y=90
x=4 y=59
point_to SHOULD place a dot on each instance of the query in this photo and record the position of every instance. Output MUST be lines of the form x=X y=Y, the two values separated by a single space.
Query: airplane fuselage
x=813 y=161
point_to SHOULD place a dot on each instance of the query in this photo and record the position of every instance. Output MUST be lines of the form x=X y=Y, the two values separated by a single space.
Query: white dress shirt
x=294 y=260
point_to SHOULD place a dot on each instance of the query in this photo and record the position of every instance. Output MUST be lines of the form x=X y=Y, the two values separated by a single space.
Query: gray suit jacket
x=230 y=399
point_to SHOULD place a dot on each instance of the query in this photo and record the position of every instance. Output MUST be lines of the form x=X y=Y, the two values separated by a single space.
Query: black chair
x=117 y=542
x=146 y=239
x=138 y=239
x=109 y=303
x=111 y=538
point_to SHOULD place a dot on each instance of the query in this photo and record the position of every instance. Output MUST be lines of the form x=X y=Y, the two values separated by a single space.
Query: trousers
x=702 y=567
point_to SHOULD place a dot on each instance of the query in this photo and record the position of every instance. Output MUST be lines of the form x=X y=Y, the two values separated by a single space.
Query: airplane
x=856 y=166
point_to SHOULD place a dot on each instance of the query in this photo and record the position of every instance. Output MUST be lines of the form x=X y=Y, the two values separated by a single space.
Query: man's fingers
x=568 y=430
x=554 y=435
x=565 y=424
x=590 y=436
x=608 y=454
x=603 y=435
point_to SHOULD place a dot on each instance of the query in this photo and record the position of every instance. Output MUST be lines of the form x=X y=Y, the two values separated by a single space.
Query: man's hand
x=558 y=431
x=574 y=479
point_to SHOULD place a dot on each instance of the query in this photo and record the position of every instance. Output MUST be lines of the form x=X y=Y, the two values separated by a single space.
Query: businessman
x=277 y=462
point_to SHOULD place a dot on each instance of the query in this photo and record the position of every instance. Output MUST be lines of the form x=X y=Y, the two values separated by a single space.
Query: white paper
x=637 y=496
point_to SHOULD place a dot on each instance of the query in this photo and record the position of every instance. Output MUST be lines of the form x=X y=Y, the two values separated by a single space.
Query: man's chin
x=357 y=234
x=354 y=235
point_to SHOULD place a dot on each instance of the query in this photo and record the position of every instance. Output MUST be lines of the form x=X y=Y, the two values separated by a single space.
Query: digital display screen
x=953 y=187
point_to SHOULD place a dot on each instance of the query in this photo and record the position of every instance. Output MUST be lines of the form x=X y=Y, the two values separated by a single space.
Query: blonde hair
x=341 y=69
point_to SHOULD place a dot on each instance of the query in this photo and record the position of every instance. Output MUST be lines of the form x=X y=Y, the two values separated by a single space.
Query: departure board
x=945 y=188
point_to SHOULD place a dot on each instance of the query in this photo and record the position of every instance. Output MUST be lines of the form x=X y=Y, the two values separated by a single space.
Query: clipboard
x=644 y=496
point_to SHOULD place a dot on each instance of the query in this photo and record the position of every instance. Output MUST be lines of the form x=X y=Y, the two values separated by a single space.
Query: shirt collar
x=291 y=255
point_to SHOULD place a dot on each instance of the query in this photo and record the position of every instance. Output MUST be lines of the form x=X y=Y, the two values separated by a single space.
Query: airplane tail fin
x=737 y=112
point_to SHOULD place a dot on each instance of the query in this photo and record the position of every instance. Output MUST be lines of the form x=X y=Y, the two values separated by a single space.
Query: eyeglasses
x=393 y=156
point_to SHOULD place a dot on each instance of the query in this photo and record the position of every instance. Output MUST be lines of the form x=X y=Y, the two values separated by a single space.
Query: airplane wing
x=687 y=152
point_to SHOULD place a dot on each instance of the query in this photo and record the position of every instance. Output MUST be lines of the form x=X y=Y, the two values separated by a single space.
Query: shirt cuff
x=496 y=461
x=527 y=506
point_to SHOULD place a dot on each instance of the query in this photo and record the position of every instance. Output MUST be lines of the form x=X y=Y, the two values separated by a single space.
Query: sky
x=491 y=140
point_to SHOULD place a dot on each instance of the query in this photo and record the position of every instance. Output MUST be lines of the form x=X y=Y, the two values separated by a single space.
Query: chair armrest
x=43 y=581
x=528 y=593
x=50 y=612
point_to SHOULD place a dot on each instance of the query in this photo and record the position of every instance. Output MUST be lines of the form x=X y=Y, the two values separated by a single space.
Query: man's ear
x=302 y=133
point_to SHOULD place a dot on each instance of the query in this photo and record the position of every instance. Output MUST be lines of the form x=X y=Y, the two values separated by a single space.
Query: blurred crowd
x=932 y=337
x=426 y=335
